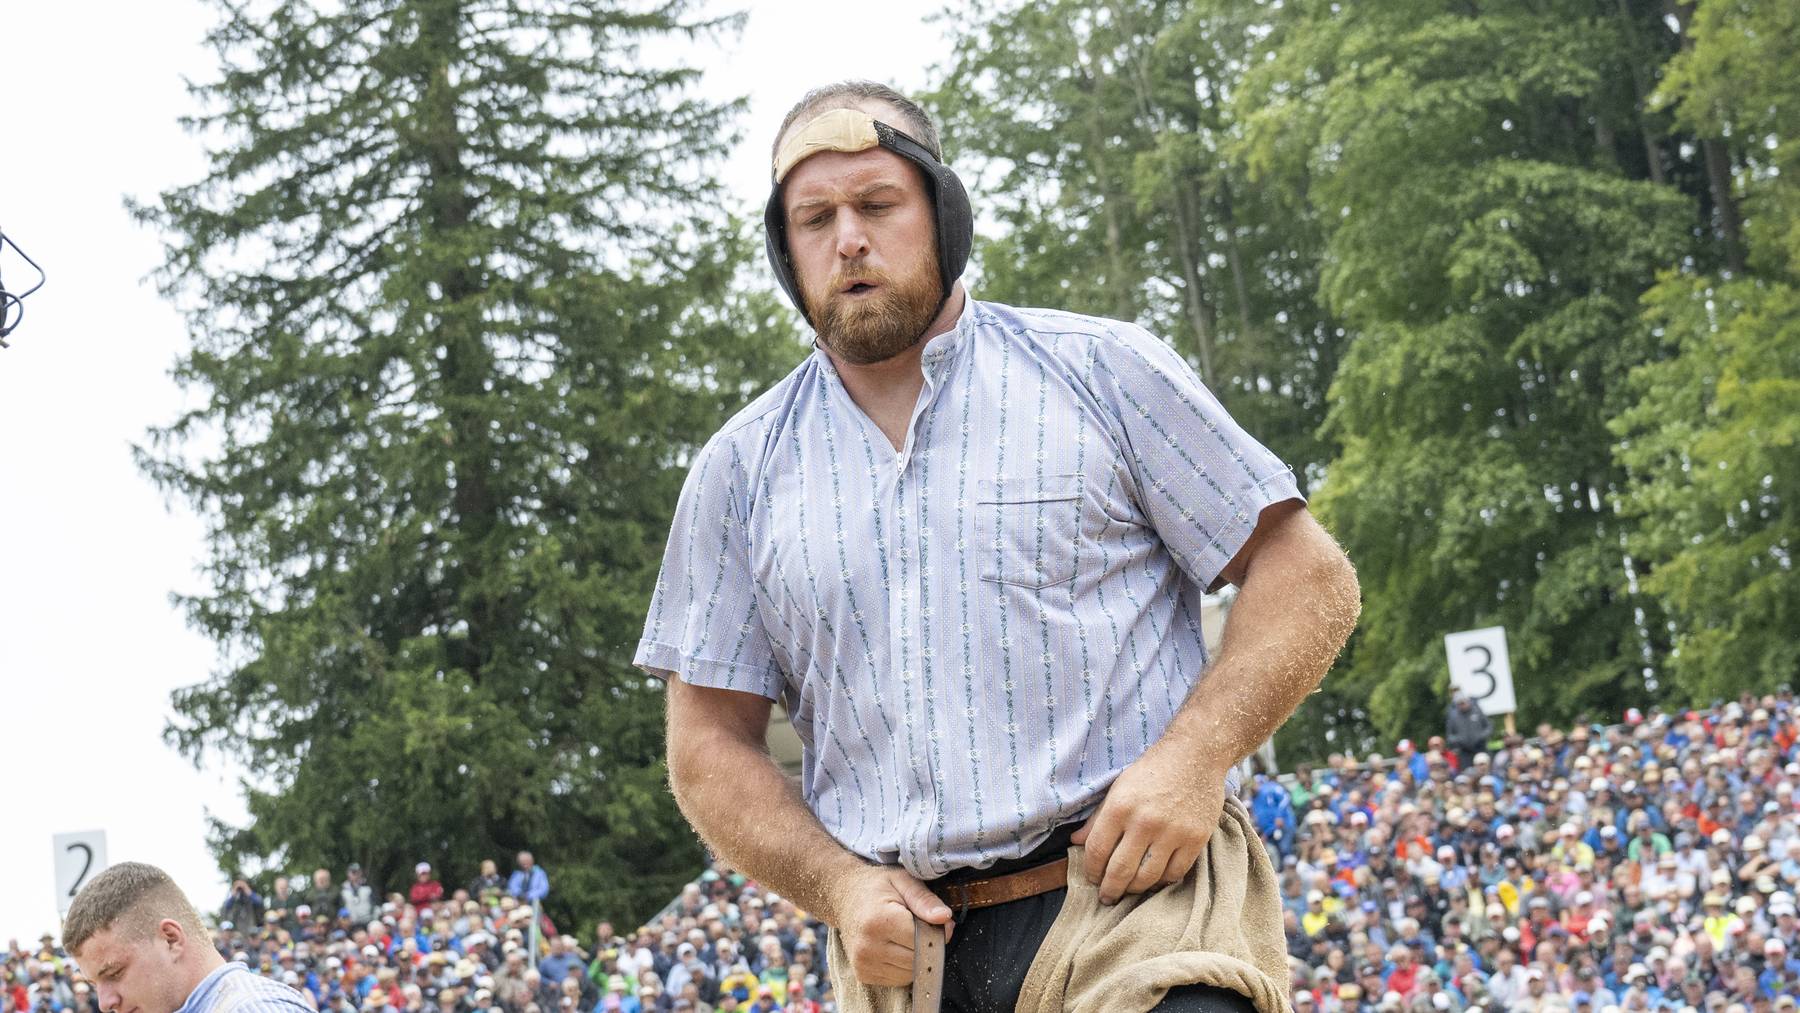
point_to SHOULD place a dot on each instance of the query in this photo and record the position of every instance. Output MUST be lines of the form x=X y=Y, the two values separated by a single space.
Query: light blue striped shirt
x=975 y=635
x=233 y=988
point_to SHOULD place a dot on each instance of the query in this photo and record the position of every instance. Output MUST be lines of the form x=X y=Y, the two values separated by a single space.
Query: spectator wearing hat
x=1718 y=923
x=1402 y=971
x=1756 y=861
x=1612 y=849
x=1787 y=926
x=1570 y=848
x=1641 y=991
x=1780 y=972
x=1537 y=990
x=356 y=898
x=689 y=968
x=570 y=998
x=1411 y=762
x=426 y=890
x=652 y=997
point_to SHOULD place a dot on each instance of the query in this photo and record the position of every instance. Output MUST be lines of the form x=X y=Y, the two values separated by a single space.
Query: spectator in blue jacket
x=1274 y=813
x=528 y=882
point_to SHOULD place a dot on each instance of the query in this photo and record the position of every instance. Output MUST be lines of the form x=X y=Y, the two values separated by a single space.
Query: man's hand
x=1153 y=824
x=875 y=911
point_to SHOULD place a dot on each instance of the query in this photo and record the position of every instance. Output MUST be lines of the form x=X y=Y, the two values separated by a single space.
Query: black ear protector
x=950 y=206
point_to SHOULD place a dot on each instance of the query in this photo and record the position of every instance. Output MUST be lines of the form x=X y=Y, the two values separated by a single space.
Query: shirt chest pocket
x=1026 y=528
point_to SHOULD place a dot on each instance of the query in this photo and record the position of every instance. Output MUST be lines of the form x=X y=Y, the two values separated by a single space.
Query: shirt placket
x=910 y=604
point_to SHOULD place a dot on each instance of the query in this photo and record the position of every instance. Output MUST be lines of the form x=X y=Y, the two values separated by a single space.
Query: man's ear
x=170 y=932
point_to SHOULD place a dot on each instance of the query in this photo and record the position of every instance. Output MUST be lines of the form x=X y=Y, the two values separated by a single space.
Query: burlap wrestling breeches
x=1221 y=927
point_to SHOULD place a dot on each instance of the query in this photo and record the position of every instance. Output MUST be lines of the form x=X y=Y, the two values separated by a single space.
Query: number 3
x=1487 y=658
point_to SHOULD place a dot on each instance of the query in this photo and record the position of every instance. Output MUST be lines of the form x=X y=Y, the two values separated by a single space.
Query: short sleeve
x=703 y=621
x=1201 y=480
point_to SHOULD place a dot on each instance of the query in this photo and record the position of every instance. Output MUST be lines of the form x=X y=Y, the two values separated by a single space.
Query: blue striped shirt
x=233 y=988
x=974 y=635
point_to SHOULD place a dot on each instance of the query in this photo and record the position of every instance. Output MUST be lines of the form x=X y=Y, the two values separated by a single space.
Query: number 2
x=85 y=865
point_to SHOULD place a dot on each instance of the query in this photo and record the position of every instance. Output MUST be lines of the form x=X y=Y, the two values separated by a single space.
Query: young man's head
x=866 y=227
x=140 y=941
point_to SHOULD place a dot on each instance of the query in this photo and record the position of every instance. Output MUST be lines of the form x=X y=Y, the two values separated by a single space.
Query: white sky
x=89 y=644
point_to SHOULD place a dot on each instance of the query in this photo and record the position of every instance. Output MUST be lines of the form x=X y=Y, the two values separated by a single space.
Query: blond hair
x=131 y=898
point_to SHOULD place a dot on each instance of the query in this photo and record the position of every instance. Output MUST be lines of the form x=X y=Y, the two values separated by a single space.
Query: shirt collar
x=938 y=349
x=945 y=345
x=202 y=994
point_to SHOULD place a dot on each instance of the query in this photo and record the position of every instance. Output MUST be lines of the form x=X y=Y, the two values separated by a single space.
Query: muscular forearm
x=1295 y=609
x=748 y=812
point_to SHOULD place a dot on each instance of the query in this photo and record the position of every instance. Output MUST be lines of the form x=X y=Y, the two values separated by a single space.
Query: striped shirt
x=973 y=635
x=232 y=988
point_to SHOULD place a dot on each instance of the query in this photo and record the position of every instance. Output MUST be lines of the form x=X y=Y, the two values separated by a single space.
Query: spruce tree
x=1711 y=440
x=462 y=301
x=1496 y=197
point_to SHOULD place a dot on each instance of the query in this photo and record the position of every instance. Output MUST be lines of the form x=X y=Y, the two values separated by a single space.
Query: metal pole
x=534 y=929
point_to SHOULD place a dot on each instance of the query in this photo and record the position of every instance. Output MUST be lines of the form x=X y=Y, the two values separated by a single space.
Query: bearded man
x=965 y=545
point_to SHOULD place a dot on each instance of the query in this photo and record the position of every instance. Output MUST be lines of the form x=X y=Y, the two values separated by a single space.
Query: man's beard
x=864 y=329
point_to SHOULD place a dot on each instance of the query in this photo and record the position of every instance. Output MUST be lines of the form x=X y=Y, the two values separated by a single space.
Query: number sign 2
x=79 y=857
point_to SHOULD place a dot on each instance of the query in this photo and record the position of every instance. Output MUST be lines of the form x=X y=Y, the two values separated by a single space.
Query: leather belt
x=928 y=966
x=1003 y=889
x=928 y=939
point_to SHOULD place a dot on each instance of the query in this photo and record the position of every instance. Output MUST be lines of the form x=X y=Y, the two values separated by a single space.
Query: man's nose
x=852 y=236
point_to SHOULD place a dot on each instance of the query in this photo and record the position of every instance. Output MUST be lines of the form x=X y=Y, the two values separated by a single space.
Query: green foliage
x=1098 y=136
x=1711 y=438
x=1712 y=445
x=458 y=289
x=1488 y=230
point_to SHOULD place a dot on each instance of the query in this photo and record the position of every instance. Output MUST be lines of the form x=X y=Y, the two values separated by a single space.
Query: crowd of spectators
x=723 y=944
x=1651 y=865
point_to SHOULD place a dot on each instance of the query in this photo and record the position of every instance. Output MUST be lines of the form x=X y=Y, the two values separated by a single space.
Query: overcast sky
x=89 y=552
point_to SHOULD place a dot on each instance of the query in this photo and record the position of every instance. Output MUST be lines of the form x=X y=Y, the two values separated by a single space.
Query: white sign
x=1479 y=666
x=79 y=858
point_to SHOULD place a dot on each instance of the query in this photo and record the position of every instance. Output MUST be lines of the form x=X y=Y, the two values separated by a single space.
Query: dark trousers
x=993 y=947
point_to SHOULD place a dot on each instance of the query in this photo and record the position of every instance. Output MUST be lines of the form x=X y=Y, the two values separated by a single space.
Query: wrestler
x=136 y=936
x=965 y=545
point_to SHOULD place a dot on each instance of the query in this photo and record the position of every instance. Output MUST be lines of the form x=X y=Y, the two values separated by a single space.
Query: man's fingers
x=1151 y=869
x=919 y=899
x=885 y=963
x=1102 y=835
x=926 y=906
x=1122 y=869
x=1181 y=864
